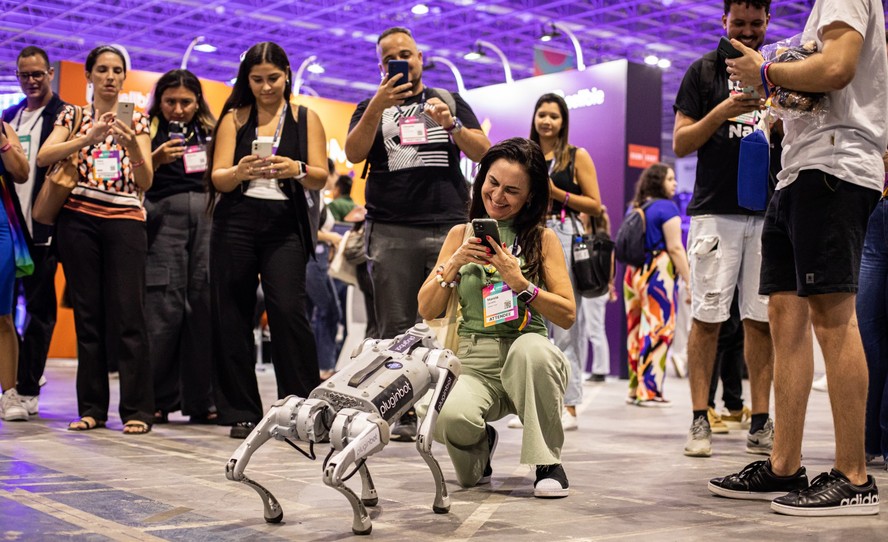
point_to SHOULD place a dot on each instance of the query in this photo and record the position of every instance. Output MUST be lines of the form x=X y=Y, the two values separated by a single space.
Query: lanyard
x=277 y=133
x=18 y=123
x=422 y=102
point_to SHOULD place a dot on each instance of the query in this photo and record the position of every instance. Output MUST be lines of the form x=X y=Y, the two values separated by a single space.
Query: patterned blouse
x=117 y=195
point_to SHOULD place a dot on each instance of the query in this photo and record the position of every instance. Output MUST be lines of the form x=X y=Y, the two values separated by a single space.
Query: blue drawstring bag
x=754 y=169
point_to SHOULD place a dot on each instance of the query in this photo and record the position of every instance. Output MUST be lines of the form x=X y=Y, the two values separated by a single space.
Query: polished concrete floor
x=629 y=481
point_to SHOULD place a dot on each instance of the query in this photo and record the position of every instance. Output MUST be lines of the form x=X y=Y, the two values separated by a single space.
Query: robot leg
x=355 y=435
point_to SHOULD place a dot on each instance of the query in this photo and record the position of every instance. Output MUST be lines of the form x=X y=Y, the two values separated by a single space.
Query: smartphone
x=726 y=48
x=484 y=227
x=751 y=92
x=125 y=112
x=177 y=130
x=399 y=66
x=262 y=148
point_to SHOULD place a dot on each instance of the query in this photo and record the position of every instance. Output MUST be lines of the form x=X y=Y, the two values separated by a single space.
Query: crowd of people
x=177 y=218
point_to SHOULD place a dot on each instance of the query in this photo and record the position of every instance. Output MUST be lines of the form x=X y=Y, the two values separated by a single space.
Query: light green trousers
x=526 y=376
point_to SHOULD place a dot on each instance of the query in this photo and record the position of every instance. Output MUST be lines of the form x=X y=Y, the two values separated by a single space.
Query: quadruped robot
x=353 y=411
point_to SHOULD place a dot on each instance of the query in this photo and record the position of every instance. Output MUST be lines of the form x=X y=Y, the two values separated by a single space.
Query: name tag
x=500 y=304
x=106 y=165
x=413 y=131
x=195 y=159
x=25 y=140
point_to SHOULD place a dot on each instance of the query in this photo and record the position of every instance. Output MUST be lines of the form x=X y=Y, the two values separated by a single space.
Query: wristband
x=455 y=127
x=138 y=164
x=439 y=276
x=564 y=206
x=765 y=81
x=5 y=148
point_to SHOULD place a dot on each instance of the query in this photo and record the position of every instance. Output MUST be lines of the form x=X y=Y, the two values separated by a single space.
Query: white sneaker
x=820 y=384
x=699 y=443
x=30 y=402
x=515 y=423
x=12 y=407
x=568 y=421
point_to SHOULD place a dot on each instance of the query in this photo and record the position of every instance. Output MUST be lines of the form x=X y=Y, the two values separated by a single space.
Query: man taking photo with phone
x=33 y=119
x=411 y=137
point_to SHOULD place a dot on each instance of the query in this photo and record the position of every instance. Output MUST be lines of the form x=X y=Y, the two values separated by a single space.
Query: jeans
x=323 y=306
x=872 y=317
x=593 y=313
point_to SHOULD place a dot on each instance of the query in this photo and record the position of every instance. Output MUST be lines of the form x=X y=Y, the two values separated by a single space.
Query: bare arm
x=672 y=236
x=227 y=176
x=556 y=303
x=472 y=142
x=454 y=254
x=690 y=134
x=58 y=147
x=586 y=177
x=144 y=174
x=14 y=160
x=316 y=167
x=831 y=69
x=360 y=139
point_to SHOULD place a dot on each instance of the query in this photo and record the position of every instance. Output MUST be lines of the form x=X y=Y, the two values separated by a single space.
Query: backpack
x=631 y=237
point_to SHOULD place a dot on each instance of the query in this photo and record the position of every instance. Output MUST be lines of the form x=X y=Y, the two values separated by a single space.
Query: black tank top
x=564 y=180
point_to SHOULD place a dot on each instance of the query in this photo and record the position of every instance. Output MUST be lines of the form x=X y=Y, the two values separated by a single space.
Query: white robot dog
x=353 y=411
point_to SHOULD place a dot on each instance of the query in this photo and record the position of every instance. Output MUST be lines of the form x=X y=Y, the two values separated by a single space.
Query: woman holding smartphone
x=177 y=300
x=261 y=227
x=573 y=189
x=509 y=366
x=102 y=245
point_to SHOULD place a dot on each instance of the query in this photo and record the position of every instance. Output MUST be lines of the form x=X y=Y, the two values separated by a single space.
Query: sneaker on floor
x=551 y=482
x=876 y=461
x=737 y=419
x=830 y=494
x=699 y=443
x=492 y=439
x=757 y=482
x=596 y=378
x=30 y=402
x=12 y=407
x=654 y=402
x=716 y=425
x=820 y=384
x=568 y=421
x=515 y=423
x=404 y=429
x=679 y=364
x=42 y=381
x=762 y=441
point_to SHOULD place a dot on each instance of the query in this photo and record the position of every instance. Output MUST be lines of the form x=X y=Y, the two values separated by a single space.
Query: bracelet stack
x=138 y=164
x=5 y=148
x=766 y=81
x=439 y=276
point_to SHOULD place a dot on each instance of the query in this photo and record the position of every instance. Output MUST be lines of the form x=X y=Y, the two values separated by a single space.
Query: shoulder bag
x=60 y=180
x=591 y=260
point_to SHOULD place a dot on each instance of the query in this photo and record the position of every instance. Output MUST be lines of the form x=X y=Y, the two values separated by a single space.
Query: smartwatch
x=529 y=294
x=301 y=172
x=457 y=126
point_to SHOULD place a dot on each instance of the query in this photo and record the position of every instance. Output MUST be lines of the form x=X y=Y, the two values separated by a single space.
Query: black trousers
x=104 y=262
x=40 y=300
x=729 y=361
x=252 y=238
x=177 y=303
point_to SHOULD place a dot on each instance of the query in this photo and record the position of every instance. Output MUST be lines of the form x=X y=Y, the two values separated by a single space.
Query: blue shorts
x=7 y=265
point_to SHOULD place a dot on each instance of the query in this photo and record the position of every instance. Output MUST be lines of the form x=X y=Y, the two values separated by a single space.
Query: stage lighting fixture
x=460 y=86
x=556 y=31
x=420 y=9
x=478 y=52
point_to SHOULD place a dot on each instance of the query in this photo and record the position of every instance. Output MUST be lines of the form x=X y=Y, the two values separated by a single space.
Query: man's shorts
x=725 y=253
x=813 y=235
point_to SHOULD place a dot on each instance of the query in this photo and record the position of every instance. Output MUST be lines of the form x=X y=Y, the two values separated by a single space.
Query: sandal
x=161 y=416
x=136 y=427
x=204 y=419
x=85 y=423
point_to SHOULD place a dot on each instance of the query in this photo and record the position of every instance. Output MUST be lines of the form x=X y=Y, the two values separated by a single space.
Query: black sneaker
x=241 y=430
x=404 y=429
x=492 y=439
x=551 y=482
x=831 y=494
x=757 y=482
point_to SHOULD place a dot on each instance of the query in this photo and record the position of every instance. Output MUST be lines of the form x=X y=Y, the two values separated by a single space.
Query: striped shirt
x=105 y=198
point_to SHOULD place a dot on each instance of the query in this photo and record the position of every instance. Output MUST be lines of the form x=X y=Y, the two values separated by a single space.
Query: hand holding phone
x=484 y=227
x=177 y=130
x=727 y=49
x=262 y=147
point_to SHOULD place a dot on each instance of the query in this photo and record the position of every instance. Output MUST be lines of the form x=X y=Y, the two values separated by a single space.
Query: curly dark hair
x=754 y=3
x=529 y=223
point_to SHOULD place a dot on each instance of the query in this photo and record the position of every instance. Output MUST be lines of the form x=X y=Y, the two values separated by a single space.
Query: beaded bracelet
x=439 y=276
x=138 y=164
x=5 y=148
x=766 y=82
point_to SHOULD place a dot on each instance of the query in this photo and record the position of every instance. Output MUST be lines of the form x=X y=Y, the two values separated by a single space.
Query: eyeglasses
x=37 y=76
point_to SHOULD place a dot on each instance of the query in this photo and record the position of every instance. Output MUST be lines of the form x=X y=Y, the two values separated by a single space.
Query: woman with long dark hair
x=262 y=227
x=509 y=366
x=177 y=300
x=102 y=245
x=573 y=189
x=649 y=291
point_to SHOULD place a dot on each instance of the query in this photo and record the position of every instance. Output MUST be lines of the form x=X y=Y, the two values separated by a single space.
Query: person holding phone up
x=102 y=243
x=411 y=137
x=262 y=227
x=177 y=307
x=506 y=293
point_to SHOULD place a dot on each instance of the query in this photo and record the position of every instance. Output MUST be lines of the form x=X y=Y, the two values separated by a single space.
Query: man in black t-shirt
x=712 y=115
x=411 y=137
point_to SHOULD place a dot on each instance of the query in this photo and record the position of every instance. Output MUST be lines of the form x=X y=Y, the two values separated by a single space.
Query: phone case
x=125 y=112
x=262 y=149
x=484 y=227
x=727 y=49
